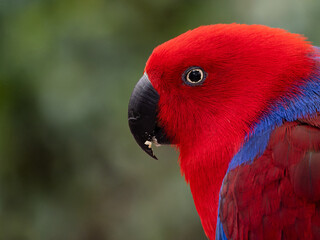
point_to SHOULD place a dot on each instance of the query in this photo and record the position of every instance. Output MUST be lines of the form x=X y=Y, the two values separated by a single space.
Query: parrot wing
x=277 y=196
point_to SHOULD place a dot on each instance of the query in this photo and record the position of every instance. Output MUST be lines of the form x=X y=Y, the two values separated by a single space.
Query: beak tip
x=149 y=151
x=154 y=157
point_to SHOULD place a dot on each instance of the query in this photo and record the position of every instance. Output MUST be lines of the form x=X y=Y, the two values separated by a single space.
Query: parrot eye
x=194 y=76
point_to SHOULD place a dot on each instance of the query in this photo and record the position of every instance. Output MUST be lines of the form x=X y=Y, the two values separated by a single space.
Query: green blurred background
x=69 y=167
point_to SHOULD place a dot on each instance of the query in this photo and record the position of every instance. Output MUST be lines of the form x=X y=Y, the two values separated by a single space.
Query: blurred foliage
x=69 y=168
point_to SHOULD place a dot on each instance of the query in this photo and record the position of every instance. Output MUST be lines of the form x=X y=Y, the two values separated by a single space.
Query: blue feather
x=220 y=235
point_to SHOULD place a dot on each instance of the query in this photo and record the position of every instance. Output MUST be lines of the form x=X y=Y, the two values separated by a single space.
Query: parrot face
x=206 y=90
x=219 y=79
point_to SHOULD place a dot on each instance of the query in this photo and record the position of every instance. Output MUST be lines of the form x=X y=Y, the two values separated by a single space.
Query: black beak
x=142 y=116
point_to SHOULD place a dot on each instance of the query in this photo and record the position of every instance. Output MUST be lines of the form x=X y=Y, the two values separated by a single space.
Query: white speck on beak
x=148 y=143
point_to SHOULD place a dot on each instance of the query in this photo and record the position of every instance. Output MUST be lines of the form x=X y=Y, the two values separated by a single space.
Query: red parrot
x=241 y=103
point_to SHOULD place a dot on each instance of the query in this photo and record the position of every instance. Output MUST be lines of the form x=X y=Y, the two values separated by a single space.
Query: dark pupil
x=195 y=76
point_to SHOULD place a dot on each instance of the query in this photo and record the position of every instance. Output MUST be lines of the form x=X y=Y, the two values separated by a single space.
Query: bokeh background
x=69 y=167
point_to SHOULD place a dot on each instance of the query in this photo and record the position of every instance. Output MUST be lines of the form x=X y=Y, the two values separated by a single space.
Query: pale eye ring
x=194 y=76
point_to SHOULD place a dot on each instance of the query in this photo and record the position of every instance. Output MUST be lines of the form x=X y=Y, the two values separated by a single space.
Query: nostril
x=132 y=116
x=132 y=119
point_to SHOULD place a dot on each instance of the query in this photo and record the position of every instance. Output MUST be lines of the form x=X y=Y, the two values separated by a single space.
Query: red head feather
x=248 y=68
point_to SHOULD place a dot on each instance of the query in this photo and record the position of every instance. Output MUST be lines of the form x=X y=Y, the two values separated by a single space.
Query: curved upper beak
x=142 y=116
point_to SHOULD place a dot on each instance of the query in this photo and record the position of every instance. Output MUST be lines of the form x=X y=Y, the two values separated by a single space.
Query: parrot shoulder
x=277 y=195
x=296 y=147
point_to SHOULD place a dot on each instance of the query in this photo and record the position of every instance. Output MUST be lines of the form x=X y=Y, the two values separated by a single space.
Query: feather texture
x=277 y=195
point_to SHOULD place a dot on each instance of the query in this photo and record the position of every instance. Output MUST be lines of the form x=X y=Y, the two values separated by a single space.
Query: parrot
x=241 y=104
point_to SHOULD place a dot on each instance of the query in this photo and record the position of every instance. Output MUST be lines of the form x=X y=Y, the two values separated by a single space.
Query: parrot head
x=205 y=90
